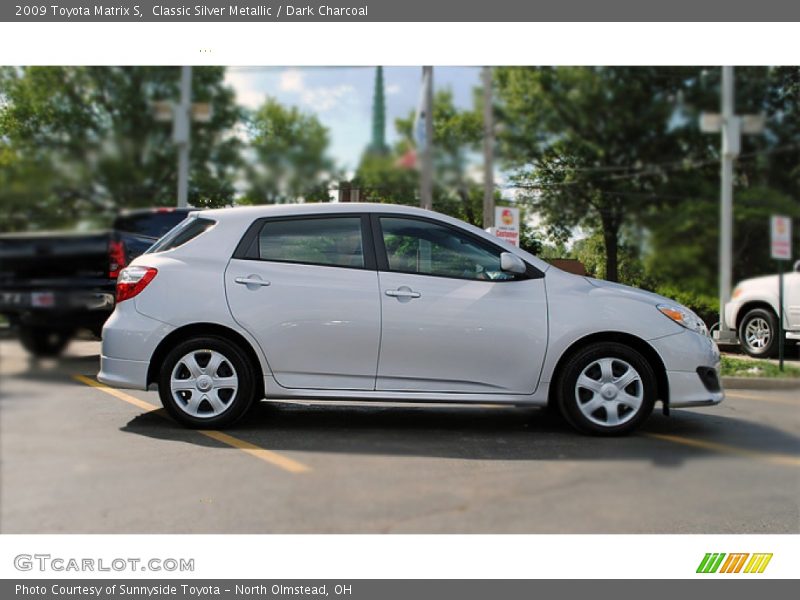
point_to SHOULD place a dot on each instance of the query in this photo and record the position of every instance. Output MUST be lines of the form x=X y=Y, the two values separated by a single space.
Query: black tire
x=44 y=343
x=755 y=319
x=237 y=405
x=571 y=398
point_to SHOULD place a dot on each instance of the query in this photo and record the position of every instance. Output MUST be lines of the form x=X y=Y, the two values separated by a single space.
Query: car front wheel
x=758 y=333
x=607 y=388
x=206 y=382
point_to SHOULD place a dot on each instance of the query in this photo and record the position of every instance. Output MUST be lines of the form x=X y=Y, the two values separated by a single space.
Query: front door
x=453 y=321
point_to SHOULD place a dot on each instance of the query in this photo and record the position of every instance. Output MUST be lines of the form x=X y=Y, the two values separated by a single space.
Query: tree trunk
x=610 y=231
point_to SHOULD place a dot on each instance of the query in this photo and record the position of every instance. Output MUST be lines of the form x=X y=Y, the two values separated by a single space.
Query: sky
x=341 y=97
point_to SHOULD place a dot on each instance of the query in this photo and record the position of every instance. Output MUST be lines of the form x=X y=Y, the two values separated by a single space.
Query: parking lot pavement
x=77 y=458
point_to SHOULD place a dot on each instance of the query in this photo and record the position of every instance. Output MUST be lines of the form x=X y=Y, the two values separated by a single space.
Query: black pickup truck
x=54 y=284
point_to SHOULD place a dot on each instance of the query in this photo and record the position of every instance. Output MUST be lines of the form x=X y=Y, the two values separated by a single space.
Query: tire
x=589 y=394
x=212 y=392
x=758 y=333
x=44 y=343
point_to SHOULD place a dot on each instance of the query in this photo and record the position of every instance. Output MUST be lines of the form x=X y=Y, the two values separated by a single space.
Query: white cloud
x=323 y=99
x=292 y=80
x=392 y=89
x=247 y=94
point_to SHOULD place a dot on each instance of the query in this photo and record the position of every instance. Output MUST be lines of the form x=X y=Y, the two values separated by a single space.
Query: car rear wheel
x=207 y=382
x=758 y=333
x=44 y=343
x=607 y=388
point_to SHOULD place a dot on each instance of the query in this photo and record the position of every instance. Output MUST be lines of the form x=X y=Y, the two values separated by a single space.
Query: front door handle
x=403 y=292
x=251 y=280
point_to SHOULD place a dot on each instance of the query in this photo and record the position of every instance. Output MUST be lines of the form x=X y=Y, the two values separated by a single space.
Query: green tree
x=576 y=138
x=289 y=156
x=80 y=141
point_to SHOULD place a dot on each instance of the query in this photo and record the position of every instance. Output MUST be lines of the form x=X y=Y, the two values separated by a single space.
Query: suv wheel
x=206 y=382
x=758 y=333
x=607 y=389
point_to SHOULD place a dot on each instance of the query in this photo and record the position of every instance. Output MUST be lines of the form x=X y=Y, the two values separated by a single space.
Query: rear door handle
x=251 y=280
x=403 y=293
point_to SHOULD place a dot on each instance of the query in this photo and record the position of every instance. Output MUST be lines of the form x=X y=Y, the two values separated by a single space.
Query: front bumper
x=683 y=353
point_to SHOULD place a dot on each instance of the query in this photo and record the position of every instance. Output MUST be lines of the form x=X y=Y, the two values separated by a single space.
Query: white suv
x=390 y=303
x=753 y=312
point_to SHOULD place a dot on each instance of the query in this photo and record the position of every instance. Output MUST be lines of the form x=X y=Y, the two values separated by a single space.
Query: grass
x=740 y=367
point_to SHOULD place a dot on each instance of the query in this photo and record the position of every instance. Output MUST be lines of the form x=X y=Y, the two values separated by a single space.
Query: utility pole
x=731 y=126
x=182 y=134
x=488 y=150
x=181 y=115
x=426 y=178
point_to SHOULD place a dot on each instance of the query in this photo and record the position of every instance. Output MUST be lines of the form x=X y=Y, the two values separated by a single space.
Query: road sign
x=781 y=237
x=506 y=224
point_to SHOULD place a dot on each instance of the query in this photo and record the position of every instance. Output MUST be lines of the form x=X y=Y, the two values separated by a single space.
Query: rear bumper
x=122 y=373
x=129 y=341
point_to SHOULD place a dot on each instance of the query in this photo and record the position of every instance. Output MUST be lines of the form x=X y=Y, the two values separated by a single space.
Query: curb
x=760 y=383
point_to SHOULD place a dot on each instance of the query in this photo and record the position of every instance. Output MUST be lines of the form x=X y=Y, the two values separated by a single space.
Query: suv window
x=186 y=230
x=415 y=246
x=333 y=242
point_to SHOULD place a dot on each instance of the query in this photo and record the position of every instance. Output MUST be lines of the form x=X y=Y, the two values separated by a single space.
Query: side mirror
x=511 y=263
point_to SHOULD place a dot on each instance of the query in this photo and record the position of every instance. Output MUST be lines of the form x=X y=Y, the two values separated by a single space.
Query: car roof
x=270 y=210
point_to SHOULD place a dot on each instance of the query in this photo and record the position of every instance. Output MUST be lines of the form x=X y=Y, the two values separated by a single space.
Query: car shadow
x=475 y=433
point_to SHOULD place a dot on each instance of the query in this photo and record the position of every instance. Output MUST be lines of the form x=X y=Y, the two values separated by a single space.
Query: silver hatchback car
x=389 y=303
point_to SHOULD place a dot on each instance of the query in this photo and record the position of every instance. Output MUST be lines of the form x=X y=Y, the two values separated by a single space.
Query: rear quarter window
x=184 y=232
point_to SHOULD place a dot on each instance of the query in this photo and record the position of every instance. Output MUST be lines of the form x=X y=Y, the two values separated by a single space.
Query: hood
x=630 y=292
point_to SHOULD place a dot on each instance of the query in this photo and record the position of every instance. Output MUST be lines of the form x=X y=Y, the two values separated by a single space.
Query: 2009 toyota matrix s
x=383 y=302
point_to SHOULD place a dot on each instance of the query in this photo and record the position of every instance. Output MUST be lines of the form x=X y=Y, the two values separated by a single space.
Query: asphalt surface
x=75 y=458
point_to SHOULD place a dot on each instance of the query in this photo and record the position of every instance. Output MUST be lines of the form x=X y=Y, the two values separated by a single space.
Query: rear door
x=307 y=289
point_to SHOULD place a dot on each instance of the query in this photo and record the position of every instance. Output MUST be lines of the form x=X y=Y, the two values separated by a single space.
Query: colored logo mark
x=719 y=562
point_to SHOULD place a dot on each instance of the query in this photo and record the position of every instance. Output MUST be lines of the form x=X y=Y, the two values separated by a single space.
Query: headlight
x=684 y=317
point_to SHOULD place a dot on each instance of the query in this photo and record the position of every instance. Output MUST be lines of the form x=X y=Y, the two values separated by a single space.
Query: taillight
x=133 y=280
x=116 y=258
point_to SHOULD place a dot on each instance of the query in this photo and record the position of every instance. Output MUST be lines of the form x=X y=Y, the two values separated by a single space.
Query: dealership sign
x=781 y=237
x=506 y=224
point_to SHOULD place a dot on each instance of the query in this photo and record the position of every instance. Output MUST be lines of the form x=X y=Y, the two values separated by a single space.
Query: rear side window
x=185 y=231
x=333 y=242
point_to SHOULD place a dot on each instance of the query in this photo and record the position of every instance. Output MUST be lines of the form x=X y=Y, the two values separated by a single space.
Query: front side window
x=334 y=242
x=415 y=246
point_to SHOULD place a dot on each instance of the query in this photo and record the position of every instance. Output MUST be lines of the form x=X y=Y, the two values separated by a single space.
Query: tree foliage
x=289 y=159
x=618 y=151
x=83 y=140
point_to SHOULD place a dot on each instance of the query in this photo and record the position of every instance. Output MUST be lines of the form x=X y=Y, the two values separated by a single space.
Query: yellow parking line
x=274 y=458
x=761 y=398
x=781 y=459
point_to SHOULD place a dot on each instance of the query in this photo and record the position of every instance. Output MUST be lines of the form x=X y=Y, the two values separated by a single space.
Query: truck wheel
x=758 y=333
x=43 y=342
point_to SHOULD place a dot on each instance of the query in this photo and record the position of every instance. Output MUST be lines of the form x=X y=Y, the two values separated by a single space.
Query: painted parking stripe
x=761 y=398
x=781 y=459
x=269 y=456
